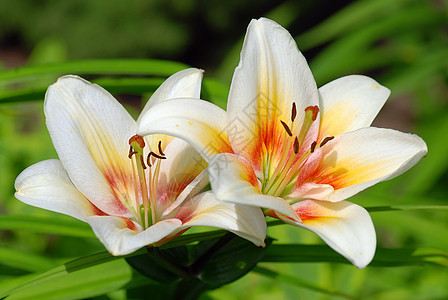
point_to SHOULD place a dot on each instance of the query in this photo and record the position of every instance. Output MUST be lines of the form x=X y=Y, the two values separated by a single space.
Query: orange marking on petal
x=129 y=224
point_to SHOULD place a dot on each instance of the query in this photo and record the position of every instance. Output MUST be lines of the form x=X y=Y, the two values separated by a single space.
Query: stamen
x=326 y=140
x=293 y=112
x=313 y=146
x=148 y=160
x=288 y=131
x=131 y=152
x=296 y=145
x=142 y=162
x=156 y=155
x=160 y=148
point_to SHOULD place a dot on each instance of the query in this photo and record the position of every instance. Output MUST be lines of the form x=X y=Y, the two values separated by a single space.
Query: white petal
x=358 y=159
x=185 y=83
x=200 y=123
x=204 y=210
x=350 y=103
x=233 y=180
x=90 y=131
x=177 y=172
x=121 y=236
x=344 y=226
x=46 y=185
x=271 y=75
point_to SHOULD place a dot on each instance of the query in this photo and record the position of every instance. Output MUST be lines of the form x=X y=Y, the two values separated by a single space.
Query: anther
x=313 y=146
x=293 y=112
x=296 y=145
x=160 y=148
x=156 y=155
x=148 y=160
x=142 y=162
x=326 y=140
x=131 y=152
x=288 y=131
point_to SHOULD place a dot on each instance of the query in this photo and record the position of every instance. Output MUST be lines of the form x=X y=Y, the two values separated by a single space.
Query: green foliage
x=402 y=44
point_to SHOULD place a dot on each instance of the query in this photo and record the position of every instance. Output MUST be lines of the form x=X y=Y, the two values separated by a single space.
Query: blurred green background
x=403 y=44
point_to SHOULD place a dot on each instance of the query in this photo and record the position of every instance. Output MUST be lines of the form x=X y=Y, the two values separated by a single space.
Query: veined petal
x=46 y=185
x=204 y=210
x=344 y=226
x=177 y=172
x=271 y=76
x=358 y=159
x=350 y=103
x=90 y=131
x=233 y=180
x=185 y=83
x=200 y=123
x=122 y=236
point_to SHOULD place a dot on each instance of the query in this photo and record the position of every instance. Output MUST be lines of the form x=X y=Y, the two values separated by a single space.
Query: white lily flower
x=291 y=148
x=133 y=191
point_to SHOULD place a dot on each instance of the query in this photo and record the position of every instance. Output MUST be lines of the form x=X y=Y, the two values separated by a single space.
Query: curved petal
x=350 y=103
x=233 y=180
x=344 y=226
x=121 y=236
x=200 y=123
x=90 y=131
x=204 y=210
x=271 y=76
x=46 y=185
x=355 y=160
x=177 y=172
x=185 y=83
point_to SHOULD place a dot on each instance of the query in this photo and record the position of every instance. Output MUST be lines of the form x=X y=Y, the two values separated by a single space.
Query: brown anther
x=139 y=139
x=160 y=148
x=156 y=155
x=131 y=152
x=296 y=145
x=315 y=111
x=148 y=160
x=288 y=131
x=326 y=140
x=142 y=162
x=293 y=112
x=313 y=146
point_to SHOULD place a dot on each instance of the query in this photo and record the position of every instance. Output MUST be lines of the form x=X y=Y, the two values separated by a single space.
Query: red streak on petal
x=170 y=237
x=129 y=223
x=118 y=182
x=96 y=210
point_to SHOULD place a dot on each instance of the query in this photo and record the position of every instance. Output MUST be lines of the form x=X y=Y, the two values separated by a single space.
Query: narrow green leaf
x=383 y=257
x=194 y=237
x=406 y=207
x=299 y=282
x=60 y=226
x=98 y=66
x=79 y=279
x=24 y=260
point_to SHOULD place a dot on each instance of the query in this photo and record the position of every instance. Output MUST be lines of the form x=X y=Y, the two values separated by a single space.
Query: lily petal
x=359 y=159
x=177 y=172
x=200 y=123
x=122 y=236
x=90 y=131
x=271 y=76
x=349 y=103
x=344 y=226
x=46 y=185
x=233 y=180
x=204 y=210
x=185 y=83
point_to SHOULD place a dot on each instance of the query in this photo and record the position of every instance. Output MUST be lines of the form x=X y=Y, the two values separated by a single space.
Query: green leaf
x=60 y=226
x=299 y=282
x=383 y=257
x=79 y=279
x=24 y=260
x=97 y=66
x=232 y=261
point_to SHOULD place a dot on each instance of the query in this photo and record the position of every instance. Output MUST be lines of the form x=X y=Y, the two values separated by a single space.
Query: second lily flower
x=291 y=148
